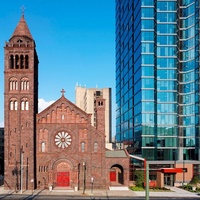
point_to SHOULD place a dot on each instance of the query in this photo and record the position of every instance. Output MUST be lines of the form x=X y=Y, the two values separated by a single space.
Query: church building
x=57 y=147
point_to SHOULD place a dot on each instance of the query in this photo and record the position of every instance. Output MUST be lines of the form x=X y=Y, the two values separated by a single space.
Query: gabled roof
x=22 y=29
x=67 y=107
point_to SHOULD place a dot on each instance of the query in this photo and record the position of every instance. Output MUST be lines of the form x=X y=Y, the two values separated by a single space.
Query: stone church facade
x=57 y=147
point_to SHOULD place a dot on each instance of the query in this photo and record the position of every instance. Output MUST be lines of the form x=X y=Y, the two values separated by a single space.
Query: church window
x=26 y=61
x=82 y=147
x=24 y=104
x=13 y=104
x=63 y=139
x=11 y=62
x=24 y=84
x=43 y=146
x=95 y=146
x=16 y=62
x=13 y=84
x=21 y=62
x=63 y=117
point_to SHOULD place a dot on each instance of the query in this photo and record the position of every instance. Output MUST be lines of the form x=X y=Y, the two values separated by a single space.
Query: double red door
x=112 y=176
x=63 y=179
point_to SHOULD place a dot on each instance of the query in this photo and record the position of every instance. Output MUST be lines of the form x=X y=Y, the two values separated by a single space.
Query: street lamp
x=21 y=153
x=92 y=184
x=84 y=168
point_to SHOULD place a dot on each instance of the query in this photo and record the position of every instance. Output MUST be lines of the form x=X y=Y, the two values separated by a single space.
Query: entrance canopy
x=171 y=170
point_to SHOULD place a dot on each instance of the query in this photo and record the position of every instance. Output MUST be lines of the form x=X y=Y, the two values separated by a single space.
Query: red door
x=62 y=179
x=113 y=176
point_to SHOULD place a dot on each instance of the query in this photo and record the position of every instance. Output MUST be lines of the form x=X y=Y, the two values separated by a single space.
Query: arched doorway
x=116 y=175
x=63 y=175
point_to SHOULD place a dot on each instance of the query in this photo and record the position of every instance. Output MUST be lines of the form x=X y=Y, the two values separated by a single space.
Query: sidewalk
x=175 y=192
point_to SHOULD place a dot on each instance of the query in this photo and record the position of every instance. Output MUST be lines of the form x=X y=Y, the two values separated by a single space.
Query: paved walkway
x=175 y=192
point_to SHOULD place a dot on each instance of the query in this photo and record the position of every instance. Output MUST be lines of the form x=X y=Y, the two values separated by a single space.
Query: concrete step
x=118 y=188
x=62 y=189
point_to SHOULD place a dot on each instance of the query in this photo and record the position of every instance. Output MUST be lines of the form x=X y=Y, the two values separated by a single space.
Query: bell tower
x=20 y=109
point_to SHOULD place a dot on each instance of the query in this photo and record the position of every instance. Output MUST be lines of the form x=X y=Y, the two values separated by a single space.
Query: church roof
x=116 y=154
x=22 y=29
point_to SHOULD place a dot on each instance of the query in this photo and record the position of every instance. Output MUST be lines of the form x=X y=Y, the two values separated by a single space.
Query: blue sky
x=75 y=42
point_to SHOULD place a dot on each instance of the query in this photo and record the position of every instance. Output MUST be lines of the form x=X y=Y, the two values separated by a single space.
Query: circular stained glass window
x=63 y=139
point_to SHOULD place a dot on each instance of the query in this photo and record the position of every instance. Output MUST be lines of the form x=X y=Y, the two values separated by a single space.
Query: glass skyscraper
x=157 y=78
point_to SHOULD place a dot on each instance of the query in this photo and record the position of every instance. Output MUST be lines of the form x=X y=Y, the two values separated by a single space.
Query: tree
x=139 y=178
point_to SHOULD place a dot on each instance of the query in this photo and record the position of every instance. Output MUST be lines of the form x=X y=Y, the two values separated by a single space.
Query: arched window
x=13 y=84
x=13 y=104
x=11 y=62
x=21 y=62
x=16 y=62
x=26 y=61
x=43 y=146
x=95 y=147
x=24 y=104
x=24 y=83
x=82 y=147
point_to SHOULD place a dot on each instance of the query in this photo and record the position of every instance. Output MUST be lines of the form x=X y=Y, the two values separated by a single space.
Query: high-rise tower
x=157 y=78
x=20 y=108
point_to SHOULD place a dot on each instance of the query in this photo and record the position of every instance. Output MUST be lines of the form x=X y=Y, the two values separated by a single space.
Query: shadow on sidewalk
x=7 y=195
x=32 y=196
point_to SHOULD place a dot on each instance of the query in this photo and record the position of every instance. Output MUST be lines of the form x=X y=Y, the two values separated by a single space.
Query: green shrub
x=194 y=180
x=139 y=178
x=135 y=188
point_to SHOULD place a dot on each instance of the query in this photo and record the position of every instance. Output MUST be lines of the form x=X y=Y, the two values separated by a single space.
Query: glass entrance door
x=169 y=179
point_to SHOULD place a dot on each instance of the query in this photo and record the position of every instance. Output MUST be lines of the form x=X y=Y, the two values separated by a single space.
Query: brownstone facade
x=57 y=147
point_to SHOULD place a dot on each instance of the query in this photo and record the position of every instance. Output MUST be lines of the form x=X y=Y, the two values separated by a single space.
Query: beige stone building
x=86 y=98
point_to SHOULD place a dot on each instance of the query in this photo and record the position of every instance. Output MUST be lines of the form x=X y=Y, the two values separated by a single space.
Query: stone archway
x=116 y=175
x=62 y=174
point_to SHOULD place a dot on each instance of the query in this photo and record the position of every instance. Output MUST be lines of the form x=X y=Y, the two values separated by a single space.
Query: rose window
x=63 y=139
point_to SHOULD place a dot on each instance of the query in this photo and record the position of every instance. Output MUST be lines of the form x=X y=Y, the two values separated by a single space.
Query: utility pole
x=147 y=182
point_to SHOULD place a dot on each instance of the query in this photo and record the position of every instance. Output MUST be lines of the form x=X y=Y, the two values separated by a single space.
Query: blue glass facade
x=157 y=78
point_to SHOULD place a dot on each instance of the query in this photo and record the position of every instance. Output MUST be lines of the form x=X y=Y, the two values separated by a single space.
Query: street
x=59 y=197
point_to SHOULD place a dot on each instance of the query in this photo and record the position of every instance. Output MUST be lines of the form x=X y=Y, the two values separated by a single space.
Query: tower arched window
x=24 y=104
x=24 y=84
x=95 y=147
x=11 y=62
x=16 y=62
x=26 y=61
x=82 y=146
x=21 y=61
x=13 y=84
x=43 y=146
x=13 y=104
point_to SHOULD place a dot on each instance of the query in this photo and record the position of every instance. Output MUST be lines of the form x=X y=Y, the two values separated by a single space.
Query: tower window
x=24 y=84
x=95 y=146
x=13 y=84
x=24 y=104
x=43 y=146
x=26 y=61
x=11 y=62
x=13 y=104
x=82 y=147
x=16 y=62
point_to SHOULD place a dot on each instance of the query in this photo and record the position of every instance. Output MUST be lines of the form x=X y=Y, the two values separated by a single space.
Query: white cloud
x=1 y=124
x=42 y=104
